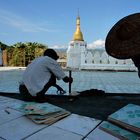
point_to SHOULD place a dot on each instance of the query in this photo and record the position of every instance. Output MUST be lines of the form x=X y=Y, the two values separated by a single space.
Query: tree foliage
x=3 y=46
x=21 y=54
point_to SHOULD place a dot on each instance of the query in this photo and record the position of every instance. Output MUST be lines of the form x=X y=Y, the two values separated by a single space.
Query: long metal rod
x=70 y=73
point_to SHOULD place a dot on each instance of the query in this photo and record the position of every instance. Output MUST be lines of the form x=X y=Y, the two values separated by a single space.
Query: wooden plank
x=98 y=134
x=54 y=133
x=77 y=124
x=117 y=131
x=128 y=117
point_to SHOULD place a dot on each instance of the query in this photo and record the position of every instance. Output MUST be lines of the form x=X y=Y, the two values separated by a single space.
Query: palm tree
x=24 y=53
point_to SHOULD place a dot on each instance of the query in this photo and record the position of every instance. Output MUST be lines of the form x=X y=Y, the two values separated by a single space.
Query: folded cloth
x=44 y=113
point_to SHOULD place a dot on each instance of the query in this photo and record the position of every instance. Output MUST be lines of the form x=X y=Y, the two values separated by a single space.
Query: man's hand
x=67 y=79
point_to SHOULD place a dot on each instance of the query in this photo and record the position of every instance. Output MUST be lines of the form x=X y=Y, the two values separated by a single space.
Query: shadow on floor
x=90 y=103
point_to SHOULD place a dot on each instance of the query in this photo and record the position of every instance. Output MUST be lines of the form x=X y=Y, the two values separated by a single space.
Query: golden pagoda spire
x=78 y=36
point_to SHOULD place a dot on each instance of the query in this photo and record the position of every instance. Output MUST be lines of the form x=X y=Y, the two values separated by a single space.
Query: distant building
x=79 y=56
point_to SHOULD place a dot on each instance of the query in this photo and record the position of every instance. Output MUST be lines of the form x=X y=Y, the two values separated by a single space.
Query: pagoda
x=76 y=49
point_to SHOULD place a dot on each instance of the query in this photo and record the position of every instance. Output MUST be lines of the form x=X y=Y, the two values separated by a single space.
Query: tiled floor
x=109 y=81
x=14 y=125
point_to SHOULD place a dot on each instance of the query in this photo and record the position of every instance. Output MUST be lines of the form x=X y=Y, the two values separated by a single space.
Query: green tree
x=21 y=54
x=3 y=46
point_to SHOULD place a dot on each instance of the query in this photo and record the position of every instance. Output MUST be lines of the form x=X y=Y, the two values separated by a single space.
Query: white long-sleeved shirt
x=38 y=73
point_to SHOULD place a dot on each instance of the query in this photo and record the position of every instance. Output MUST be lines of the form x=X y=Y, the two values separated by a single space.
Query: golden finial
x=78 y=36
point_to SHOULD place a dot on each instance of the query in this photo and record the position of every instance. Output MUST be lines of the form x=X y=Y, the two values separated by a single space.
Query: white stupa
x=76 y=48
x=79 y=56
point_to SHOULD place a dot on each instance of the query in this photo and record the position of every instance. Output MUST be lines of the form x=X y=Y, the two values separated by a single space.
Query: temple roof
x=78 y=36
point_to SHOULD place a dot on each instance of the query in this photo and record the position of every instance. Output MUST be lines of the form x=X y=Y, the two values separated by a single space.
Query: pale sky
x=53 y=22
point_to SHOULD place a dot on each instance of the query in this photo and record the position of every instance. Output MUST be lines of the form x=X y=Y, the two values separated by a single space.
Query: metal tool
x=70 y=73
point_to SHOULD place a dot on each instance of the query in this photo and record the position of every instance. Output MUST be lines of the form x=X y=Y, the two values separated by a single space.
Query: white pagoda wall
x=98 y=59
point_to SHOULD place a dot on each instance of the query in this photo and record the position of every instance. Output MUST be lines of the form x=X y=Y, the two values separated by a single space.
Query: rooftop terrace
x=87 y=112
